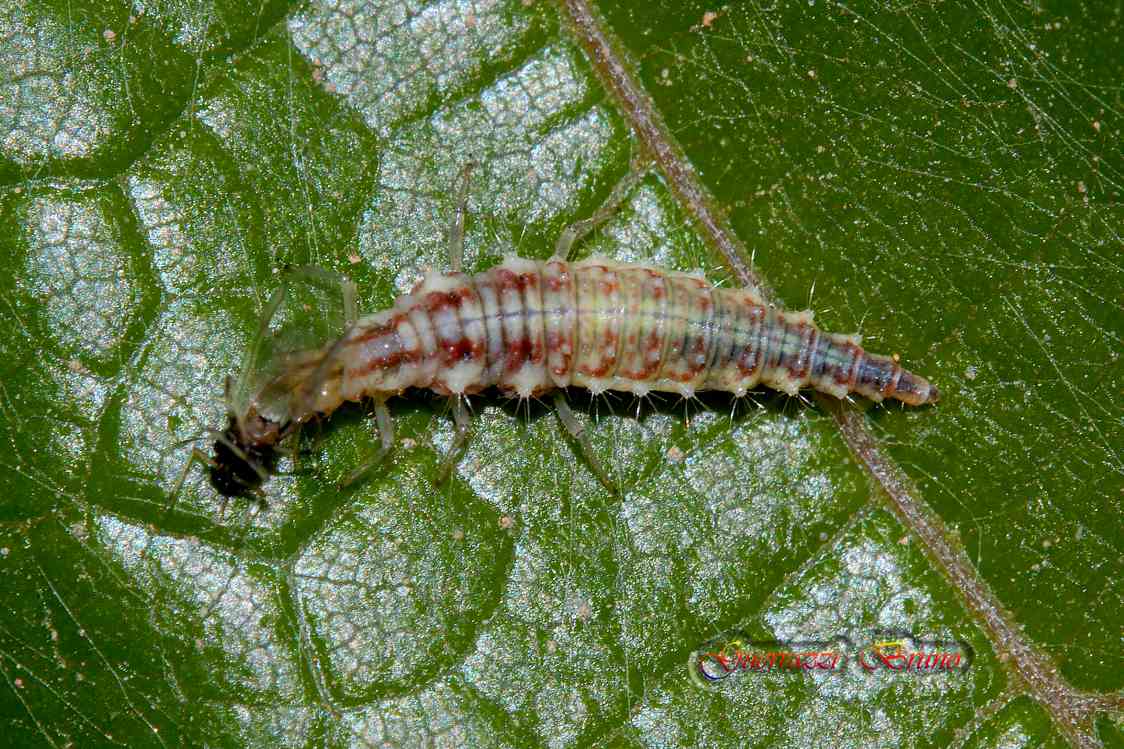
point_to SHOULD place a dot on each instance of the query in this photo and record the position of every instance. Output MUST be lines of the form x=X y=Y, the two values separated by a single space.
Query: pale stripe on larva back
x=529 y=326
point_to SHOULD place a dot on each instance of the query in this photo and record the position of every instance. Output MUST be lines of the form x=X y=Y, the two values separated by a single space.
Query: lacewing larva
x=529 y=327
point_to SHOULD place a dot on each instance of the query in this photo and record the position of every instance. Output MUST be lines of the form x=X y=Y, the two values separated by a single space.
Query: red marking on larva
x=512 y=281
x=606 y=362
x=538 y=353
x=439 y=300
x=599 y=357
x=385 y=363
x=555 y=344
x=464 y=349
x=374 y=332
x=749 y=360
x=517 y=354
x=507 y=281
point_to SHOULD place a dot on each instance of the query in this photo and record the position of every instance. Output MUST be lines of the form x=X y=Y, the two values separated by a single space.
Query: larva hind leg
x=463 y=422
x=637 y=170
x=577 y=430
x=456 y=228
x=386 y=444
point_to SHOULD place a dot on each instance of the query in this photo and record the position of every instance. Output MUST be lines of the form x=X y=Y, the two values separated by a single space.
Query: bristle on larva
x=529 y=326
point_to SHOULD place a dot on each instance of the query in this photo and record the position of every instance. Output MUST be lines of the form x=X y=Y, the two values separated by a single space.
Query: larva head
x=244 y=456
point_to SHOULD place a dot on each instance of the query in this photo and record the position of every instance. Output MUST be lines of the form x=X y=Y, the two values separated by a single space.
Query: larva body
x=529 y=326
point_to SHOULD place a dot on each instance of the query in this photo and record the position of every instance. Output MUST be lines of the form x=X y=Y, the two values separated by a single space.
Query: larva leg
x=196 y=456
x=577 y=431
x=637 y=170
x=456 y=229
x=463 y=421
x=386 y=443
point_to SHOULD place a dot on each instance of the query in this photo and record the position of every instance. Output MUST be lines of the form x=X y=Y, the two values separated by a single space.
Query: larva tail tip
x=914 y=390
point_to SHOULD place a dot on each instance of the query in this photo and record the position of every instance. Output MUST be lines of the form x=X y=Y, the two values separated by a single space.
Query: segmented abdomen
x=529 y=326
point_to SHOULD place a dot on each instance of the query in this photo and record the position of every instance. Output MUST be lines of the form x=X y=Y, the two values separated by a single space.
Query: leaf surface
x=949 y=182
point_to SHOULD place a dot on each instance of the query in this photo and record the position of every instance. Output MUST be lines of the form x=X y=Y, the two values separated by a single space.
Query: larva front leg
x=577 y=430
x=386 y=443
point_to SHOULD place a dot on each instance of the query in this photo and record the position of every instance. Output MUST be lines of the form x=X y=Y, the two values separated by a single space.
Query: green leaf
x=947 y=180
x=951 y=184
